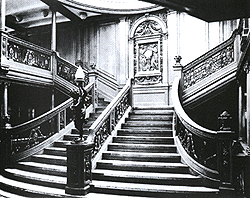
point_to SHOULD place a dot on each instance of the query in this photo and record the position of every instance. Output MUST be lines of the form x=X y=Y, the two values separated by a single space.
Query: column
x=53 y=31
x=3 y=11
x=248 y=107
x=240 y=112
x=6 y=116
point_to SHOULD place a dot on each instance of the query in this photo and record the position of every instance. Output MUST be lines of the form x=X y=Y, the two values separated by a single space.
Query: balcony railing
x=20 y=51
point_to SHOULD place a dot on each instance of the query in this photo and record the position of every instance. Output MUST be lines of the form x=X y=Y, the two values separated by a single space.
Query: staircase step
x=154 y=108
x=71 y=136
x=55 y=151
x=50 y=159
x=149 y=118
x=31 y=190
x=37 y=178
x=152 y=112
x=159 y=167
x=145 y=132
x=135 y=156
x=146 y=178
x=135 y=127
x=148 y=123
x=159 y=148
x=43 y=168
x=62 y=143
x=153 y=190
x=143 y=140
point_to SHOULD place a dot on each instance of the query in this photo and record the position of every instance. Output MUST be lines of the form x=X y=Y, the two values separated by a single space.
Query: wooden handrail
x=28 y=44
x=44 y=117
x=185 y=119
x=99 y=121
x=215 y=59
x=106 y=113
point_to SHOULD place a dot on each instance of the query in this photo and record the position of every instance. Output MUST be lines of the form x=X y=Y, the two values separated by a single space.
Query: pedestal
x=79 y=167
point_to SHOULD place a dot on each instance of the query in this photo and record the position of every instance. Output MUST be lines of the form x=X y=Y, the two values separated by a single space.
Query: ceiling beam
x=63 y=10
x=11 y=24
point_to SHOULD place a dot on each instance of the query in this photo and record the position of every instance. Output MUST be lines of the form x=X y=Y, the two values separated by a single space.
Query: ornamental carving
x=209 y=66
x=148 y=27
x=148 y=57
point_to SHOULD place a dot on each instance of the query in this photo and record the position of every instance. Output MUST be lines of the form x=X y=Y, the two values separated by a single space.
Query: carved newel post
x=79 y=153
x=224 y=153
x=178 y=66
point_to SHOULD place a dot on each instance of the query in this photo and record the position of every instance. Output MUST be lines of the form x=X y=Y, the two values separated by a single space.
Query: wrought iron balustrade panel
x=27 y=56
x=209 y=66
x=204 y=151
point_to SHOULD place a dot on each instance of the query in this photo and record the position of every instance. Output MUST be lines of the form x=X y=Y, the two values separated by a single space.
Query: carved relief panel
x=148 y=51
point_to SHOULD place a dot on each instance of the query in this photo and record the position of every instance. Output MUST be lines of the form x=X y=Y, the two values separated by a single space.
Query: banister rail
x=214 y=60
x=67 y=70
x=207 y=152
x=18 y=139
x=106 y=122
x=25 y=52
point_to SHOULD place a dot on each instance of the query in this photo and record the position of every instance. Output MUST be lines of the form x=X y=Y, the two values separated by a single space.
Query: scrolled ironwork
x=22 y=52
x=209 y=63
x=67 y=71
x=102 y=128
x=202 y=150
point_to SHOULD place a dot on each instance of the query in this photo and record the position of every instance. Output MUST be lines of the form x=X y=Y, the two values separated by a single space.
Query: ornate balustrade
x=211 y=62
x=67 y=70
x=23 y=140
x=106 y=122
x=24 y=52
x=207 y=152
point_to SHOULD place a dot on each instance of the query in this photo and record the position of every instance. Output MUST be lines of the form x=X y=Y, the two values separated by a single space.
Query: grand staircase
x=143 y=161
x=43 y=174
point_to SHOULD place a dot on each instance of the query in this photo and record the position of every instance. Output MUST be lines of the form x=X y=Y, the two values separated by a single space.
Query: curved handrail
x=44 y=117
x=210 y=62
x=206 y=151
x=185 y=119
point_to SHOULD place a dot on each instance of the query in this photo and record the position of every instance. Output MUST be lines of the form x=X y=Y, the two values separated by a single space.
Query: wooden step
x=37 y=178
x=143 y=140
x=143 y=132
x=146 y=178
x=158 y=167
x=159 y=148
x=152 y=190
x=55 y=151
x=43 y=168
x=50 y=159
x=31 y=190
x=148 y=157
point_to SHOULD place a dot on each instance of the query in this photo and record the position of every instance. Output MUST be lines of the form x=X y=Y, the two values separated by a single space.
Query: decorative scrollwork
x=88 y=166
x=67 y=72
x=209 y=66
x=109 y=124
x=205 y=155
x=35 y=137
x=148 y=27
x=21 y=54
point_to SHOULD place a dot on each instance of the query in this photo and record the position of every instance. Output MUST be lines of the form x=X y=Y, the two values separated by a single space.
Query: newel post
x=93 y=79
x=224 y=151
x=178 y=69
x=79 y=166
